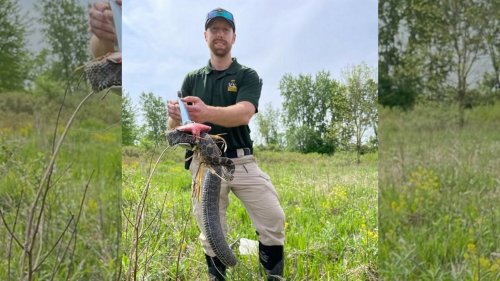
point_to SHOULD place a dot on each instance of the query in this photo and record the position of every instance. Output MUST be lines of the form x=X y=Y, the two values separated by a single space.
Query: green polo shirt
x=224 y=88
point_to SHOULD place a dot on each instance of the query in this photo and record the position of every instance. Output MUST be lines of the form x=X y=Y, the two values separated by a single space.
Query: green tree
x=310 y=108
x=268 y=122
x=430 y=49
x=361 y=93
x=66 y=30
x=129 y=125
x=492 y=40
x=155 y=116
x=42 y=80
x=13 y=53
x=404 y=31
x=393 y=90
x=461 y=33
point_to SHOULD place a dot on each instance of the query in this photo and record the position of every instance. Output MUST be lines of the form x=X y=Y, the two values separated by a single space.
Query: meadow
x=439 y=194
x=330 y=204
x=78 y=211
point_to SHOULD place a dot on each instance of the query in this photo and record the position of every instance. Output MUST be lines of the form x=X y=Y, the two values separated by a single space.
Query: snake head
x=194 y=128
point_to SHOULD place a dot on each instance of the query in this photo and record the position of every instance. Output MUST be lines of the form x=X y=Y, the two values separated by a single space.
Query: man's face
x=220 y=37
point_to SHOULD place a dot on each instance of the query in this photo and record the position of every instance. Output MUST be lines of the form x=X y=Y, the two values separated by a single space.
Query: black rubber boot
x=216 y=269
x=272 y=258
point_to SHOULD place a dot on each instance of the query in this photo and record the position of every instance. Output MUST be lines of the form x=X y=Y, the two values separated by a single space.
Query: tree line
x=324 y=115
x=318 y=114
x=439 y=51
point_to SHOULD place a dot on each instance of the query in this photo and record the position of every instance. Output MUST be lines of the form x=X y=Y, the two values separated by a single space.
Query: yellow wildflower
x=495 y=267
x=484 y=262
x=471 y=247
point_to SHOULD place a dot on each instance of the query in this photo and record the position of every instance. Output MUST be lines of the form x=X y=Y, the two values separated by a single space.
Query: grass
x=437 y=215
x=330 y=204
x=439 y=194
x=87 y=170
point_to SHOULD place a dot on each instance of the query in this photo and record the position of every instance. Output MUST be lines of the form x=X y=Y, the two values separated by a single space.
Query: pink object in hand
x=194 y=128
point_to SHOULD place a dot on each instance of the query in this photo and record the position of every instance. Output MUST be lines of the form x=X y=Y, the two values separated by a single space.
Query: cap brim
x=214 y=18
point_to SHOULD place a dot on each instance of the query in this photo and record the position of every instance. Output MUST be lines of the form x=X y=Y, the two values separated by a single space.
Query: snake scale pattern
x=104 y=72
x=219 y=167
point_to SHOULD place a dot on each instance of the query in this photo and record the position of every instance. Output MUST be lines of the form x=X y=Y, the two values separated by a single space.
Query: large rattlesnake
x=210 y=180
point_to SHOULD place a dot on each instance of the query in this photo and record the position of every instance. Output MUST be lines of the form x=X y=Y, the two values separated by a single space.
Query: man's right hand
x=101 y=21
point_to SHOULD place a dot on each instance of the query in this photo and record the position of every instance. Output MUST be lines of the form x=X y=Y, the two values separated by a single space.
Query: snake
x=104 y=72
x=219 y=168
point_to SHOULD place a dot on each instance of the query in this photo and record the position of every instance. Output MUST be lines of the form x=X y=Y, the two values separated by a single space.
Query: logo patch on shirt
x=232 y=87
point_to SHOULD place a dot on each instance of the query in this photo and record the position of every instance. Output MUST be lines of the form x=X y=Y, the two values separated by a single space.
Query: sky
x=163 y=40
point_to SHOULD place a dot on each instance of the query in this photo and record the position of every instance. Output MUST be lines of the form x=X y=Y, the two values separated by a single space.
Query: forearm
x=231 y=116
x=172 y=123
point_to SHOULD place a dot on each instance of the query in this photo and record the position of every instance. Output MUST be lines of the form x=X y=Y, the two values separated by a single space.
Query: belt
x=236 y=153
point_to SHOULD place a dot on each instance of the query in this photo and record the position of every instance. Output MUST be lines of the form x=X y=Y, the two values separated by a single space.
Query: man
x=225 y=96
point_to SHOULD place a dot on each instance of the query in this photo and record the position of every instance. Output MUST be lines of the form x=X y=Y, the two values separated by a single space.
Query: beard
x=220 y=51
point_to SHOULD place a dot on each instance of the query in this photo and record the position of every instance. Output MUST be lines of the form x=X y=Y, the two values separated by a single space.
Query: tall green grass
x=330 y=205
x=439 y=194
x=90 y=156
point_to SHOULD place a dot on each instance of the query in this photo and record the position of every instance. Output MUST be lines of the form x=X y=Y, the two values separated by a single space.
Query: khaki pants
x=255 y=190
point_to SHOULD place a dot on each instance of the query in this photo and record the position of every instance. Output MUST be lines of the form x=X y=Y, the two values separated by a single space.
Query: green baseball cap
x=222 y=14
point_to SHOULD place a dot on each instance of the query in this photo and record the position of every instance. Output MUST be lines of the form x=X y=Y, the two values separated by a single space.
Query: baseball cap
x=220 y=13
